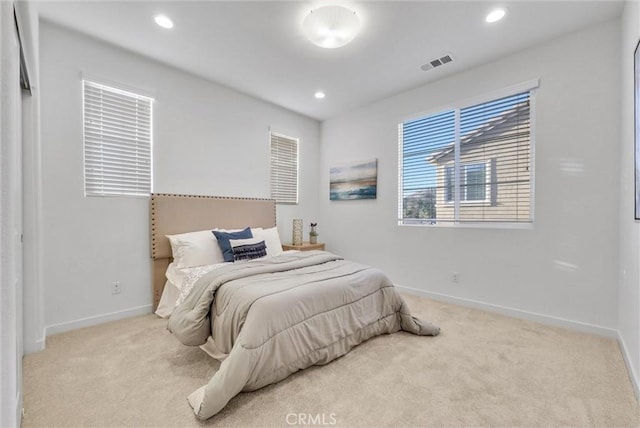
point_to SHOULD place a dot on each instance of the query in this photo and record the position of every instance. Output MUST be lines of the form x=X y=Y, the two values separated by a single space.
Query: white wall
x=576 y=197
x=208 y=140
x=629 y=289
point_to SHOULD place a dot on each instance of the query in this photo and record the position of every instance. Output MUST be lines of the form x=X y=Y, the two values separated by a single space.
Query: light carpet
x=483 y=370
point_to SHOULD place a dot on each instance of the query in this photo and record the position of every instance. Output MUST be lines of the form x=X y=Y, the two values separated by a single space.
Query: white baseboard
x=633 y=376
x=516 y=313
x=99 y=319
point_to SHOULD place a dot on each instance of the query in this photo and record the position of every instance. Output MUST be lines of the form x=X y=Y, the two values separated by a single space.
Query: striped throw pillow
x=248 y=249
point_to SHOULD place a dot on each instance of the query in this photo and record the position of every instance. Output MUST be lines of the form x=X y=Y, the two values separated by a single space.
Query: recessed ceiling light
x=319 y=95
x=164 y=21
x=495 y=15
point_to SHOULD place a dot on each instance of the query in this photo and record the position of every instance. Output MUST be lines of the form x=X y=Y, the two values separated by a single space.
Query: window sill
x=470 y=225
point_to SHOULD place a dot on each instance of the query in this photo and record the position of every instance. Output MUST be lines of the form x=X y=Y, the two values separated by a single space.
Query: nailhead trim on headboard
x=171 y=195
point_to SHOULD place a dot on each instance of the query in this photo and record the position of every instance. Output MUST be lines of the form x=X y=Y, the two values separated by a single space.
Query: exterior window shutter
x=468 y=165
x=284 y=168
x=117 y=142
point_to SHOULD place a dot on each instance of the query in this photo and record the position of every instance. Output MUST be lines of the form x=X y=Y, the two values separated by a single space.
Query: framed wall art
x=355 y=180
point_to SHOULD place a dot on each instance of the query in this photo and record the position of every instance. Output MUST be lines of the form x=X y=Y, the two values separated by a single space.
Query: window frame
x=119 y=89
x=288 y=136
x=530 y=86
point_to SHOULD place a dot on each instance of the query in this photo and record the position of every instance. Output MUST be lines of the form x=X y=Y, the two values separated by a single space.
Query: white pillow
x=271 y=240
x=195 y=249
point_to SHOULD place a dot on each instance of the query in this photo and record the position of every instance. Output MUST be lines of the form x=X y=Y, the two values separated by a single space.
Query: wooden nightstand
x=304 y=247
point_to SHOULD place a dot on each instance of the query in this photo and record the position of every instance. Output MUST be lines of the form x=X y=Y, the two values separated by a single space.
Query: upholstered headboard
x=173 y=214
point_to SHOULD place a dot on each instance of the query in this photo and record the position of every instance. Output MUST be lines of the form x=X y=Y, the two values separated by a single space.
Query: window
x=474 y=182
x=117 y=142
x=284 y=168
x=473 y=179
x=470 y=164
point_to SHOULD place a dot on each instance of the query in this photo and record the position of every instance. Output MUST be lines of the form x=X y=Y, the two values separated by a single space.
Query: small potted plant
x=313 y=234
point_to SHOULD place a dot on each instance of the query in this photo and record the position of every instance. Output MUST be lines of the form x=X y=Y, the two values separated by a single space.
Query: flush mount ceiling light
x=331 y=26
x=164 y=21
x=495 y=15
x=319 y=95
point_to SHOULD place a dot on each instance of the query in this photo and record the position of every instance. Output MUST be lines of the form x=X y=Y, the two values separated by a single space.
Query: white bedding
x=168 y=300
x=179 y=284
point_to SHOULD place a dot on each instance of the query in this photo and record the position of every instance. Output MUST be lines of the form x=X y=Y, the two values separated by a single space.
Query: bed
x=273 y=315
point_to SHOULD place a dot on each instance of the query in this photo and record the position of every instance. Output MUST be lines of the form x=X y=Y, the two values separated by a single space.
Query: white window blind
x=284 y=168
x=117 y=142
x=468 y=165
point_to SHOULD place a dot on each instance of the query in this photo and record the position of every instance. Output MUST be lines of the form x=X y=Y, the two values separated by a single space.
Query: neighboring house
x=495 y=180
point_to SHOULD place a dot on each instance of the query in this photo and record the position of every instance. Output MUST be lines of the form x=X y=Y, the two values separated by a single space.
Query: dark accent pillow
x=249 y=251
x=223 y=241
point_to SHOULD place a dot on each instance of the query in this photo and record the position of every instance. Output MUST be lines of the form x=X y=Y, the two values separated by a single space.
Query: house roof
x=481 y=131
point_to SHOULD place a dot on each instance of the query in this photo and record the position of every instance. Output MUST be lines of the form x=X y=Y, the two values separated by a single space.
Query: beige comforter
x=276 y=316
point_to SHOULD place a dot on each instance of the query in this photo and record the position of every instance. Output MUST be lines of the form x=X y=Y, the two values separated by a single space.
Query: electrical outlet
x=455 y=277
x=116 y=288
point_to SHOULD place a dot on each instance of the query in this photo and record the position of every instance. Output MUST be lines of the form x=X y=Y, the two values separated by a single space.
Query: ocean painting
x=358 y=180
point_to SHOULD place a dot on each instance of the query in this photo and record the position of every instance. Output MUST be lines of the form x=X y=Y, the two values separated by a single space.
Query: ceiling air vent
x=437 y=62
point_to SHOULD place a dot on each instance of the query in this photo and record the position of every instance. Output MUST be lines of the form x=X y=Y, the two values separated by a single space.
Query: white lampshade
x=331 y=26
